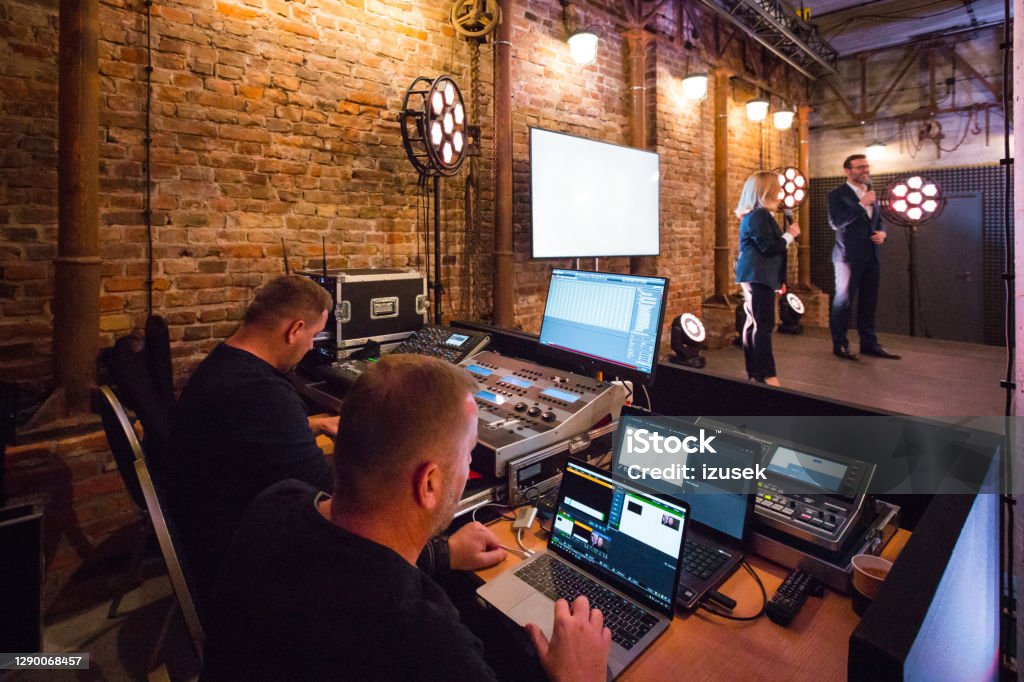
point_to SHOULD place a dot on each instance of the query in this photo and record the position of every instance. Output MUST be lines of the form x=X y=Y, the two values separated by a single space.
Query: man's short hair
x=402 y=407
x=851 y=158
x=288 y=297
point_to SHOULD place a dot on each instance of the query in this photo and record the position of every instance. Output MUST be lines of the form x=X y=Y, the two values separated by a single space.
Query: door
x=946 y=273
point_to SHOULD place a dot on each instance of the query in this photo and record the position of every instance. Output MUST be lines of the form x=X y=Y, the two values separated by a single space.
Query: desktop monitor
x=592 y=199
x=604 y=321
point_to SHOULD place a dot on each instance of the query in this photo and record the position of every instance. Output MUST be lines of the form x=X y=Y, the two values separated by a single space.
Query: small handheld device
x=791 y=595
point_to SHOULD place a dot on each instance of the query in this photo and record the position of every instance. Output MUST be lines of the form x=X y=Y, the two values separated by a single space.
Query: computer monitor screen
x=610 y=319
x=591 y=199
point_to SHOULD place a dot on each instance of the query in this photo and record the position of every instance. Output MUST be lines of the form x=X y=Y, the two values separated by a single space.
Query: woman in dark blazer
x=761 y=270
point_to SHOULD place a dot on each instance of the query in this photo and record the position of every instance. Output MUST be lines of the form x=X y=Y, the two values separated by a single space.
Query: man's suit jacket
x=852 y=226
x=762 y=256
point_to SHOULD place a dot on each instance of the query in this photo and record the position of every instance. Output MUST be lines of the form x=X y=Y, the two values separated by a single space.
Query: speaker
x=21 y=578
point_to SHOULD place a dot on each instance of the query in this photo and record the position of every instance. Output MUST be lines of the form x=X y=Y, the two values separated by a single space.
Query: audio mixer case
x=369 y=303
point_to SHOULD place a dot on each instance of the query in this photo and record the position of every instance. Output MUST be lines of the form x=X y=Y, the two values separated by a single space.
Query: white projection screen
x=592 y=199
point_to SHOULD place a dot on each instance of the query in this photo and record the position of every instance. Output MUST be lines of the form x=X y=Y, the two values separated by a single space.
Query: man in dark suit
x=857 y=222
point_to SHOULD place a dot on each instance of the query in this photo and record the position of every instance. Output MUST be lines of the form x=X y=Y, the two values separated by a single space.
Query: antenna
x=284 y=251
x=323 y=247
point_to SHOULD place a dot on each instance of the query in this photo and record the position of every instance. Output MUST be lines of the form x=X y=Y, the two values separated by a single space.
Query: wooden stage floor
x=934 y=378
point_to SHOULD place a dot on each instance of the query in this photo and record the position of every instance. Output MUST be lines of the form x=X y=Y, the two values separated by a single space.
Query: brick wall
x=274 y=119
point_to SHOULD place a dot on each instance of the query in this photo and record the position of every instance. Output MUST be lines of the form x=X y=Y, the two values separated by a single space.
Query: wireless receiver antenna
x=323 y=247
x=284 y=251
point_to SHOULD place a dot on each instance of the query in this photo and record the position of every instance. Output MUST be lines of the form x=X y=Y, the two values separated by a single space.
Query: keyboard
x=702 y=560
x=627 y=622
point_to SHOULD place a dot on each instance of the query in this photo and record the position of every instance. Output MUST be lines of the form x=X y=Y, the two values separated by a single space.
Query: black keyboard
x=556 y=580
x=702 y=560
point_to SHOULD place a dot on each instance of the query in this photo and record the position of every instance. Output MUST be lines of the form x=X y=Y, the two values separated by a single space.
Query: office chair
x=177 y=567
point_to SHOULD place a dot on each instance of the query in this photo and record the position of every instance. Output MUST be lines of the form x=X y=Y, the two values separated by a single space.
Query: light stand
x=909 y=202
x=434 y=125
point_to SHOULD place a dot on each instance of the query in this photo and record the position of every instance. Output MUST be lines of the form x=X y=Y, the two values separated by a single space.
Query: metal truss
x=777 y=27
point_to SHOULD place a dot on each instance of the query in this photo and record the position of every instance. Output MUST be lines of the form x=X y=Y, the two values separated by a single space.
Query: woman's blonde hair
x=761 y=185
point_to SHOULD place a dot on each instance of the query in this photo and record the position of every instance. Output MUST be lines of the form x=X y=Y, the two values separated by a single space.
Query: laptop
x=720 y=514
x=616 y=543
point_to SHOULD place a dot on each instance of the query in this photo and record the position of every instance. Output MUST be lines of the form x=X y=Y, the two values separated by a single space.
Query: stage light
x=433 y=116
x=791 y=309
x=434 y=128
x=688 y=336
x=695 y=86
x=757 y=109
x=583 y=46
x=783 y=119
x=875 y=150
x=912 y=201
x=793 y=188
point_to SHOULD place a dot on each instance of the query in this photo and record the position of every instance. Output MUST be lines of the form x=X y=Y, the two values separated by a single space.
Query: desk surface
x=701 y=646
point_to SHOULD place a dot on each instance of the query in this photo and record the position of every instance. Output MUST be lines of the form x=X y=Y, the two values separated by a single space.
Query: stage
x=934 y=378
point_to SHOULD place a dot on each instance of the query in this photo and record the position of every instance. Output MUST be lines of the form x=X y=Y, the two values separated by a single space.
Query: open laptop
x=615 y=543
x=720 y=513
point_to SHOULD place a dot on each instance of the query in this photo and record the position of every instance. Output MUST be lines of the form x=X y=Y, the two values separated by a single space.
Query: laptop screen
x=621 y=534
x=725 y=506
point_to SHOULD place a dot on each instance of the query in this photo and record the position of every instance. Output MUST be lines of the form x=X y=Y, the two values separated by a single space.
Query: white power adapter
x=524 y=518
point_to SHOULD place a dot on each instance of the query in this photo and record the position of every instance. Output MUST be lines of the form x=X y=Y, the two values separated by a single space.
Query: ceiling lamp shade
x=783 y=119
x=757 y=109
x=695 y=86
x=912 y=201
x=583 y=46
x=793 y=187
x=433 y=122
x=875 y=150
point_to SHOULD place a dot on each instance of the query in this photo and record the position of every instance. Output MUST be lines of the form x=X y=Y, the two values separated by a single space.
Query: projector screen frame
x=584 y=244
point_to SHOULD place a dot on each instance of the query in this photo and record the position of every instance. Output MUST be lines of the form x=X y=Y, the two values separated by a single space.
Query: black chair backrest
x=158 y=358
x=177 y=564
x=150 y=398
x=124 y=444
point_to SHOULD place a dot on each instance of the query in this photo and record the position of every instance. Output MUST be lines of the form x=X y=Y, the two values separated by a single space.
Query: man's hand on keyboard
x=578 y=650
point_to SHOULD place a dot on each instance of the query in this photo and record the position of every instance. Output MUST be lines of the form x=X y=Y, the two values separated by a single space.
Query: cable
x=493 y=504
x=764 y=600
x=650 y=407
x=148 y=141
x=519 y=541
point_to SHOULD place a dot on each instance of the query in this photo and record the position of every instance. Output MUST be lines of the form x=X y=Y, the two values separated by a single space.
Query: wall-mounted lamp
x=582 y=39
x=783 y=119
x=757 y=109
x=695 y=86
x=583 y=46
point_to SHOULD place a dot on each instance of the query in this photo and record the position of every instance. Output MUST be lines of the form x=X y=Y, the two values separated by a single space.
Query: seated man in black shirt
x=239 y=427
x=319 y=587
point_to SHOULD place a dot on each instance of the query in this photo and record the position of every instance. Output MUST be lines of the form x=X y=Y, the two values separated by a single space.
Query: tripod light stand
x=912 y=201
x=434 y=127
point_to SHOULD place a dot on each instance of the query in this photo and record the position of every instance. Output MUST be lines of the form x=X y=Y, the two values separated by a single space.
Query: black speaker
x=21 y=578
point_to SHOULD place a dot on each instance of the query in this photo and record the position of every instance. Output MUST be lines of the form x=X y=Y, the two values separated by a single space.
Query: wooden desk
x=701 y=646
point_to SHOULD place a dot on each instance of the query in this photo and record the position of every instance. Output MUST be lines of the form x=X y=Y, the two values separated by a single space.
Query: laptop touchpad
x=537 y=609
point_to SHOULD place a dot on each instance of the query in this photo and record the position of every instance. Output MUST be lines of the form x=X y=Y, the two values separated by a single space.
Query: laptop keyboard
x=628 y=623
x=702 y=560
